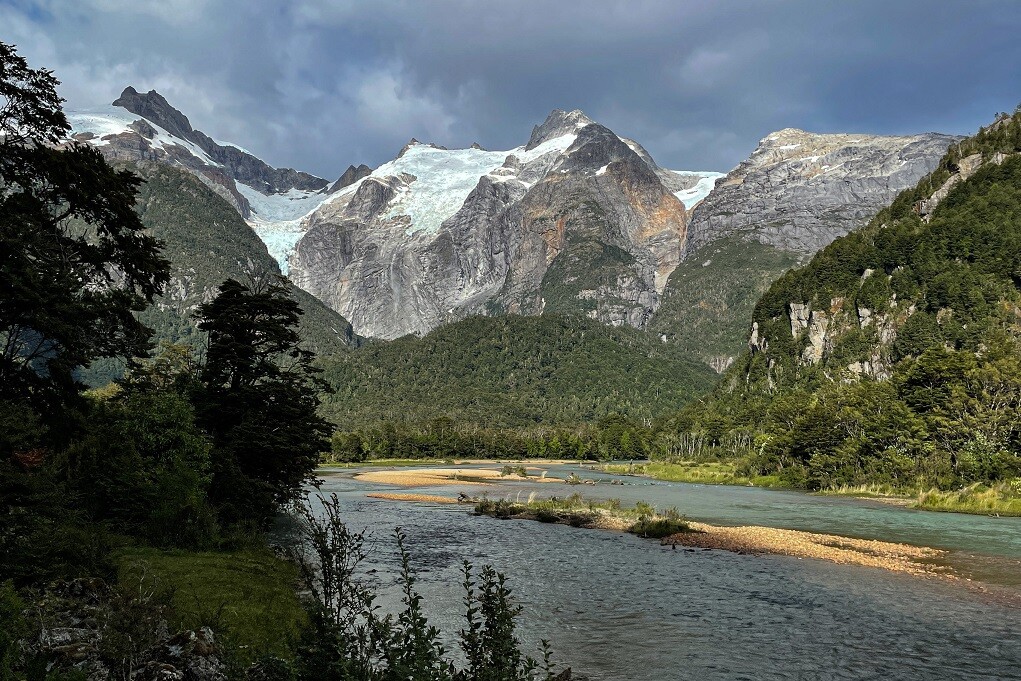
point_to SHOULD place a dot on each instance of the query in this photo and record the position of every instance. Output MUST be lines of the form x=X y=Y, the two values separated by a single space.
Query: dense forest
x=893 y=357
x=508 y=387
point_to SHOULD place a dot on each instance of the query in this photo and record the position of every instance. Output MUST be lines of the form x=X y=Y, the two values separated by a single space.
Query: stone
x=798 y=191
x=523 y=241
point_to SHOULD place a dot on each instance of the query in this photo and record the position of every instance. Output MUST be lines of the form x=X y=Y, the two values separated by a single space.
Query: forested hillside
x=207 y=242
x=710 y=297
x=512 y=372
x=893 y=356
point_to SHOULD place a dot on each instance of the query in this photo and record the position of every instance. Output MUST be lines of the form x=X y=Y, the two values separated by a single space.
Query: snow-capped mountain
x=145 y=127
x=578 y=219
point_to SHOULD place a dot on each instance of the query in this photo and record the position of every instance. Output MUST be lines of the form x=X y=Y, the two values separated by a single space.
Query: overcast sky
x=319 y=84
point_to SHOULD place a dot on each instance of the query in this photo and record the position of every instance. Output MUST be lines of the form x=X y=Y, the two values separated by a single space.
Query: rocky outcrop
x=241 y=165
x=350 y=176
x=798 y=191
x=83 y=630
x=965 y=168
x=575 y=220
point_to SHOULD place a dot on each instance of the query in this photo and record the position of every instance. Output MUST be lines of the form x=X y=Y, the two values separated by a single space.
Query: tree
x=259 y=399
x=75 y=262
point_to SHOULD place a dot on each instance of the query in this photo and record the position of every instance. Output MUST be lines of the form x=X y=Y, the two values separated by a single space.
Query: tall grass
x=1002 y=499
x=700 y=472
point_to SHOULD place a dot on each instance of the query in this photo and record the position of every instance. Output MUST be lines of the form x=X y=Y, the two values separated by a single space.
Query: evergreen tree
x=75 y=263
x=259 y=400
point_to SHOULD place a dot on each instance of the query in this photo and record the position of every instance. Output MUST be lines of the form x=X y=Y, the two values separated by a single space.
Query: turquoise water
x=618 y=607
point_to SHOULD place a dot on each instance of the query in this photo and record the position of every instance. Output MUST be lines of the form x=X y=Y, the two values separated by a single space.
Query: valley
x=533 y=408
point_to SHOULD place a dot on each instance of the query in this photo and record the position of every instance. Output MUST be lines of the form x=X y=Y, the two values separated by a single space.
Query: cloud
x=319 y=84
x=385 y=103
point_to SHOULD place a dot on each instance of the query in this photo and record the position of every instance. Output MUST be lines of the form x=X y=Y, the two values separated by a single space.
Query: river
x=615 y=606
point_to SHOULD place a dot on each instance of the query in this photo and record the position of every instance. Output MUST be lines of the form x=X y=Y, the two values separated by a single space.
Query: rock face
x=145 y=127
x=350 y=176
x=239 y=164
x=575 y=220
x=798 y=191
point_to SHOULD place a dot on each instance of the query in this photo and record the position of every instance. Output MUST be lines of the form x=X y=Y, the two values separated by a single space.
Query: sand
x=433 y=477
x=396 y=496
x=836 y=549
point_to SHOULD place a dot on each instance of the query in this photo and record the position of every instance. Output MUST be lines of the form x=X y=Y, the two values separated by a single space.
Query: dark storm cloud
x=319 y=84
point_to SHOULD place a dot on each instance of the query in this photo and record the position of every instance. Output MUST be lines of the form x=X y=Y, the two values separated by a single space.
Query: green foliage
x=143 y=466
x=659 y=528
x=584 y=264
x=258 y=401
x=75 y=261
x=12 y=628
x=45 y=534
x=707 y=304
x=943 y=297
x=510 y=372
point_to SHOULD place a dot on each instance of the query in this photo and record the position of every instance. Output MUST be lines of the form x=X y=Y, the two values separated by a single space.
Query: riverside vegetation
x=641 y=519
x=138 y=510
x=889 y=362
x=913 y=378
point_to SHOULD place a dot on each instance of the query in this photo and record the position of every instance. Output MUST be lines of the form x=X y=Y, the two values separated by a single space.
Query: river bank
x=672 y=529
x=1003 y=499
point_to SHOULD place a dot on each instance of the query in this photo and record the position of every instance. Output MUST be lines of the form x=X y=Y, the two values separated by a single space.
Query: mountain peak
x=154 y=107
x=558 y=123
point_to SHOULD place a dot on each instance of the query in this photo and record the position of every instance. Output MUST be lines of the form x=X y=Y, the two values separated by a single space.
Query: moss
x=248 y=597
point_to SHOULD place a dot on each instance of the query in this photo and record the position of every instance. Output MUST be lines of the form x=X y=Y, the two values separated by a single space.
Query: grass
x=704 y=472
x=247 y=597
x=642 y=519
x=870 y=491
x=1003 y=499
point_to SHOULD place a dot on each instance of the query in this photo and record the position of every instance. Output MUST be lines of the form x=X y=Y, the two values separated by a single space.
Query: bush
x=12 y=628
x=658 y=529
x=349 y=639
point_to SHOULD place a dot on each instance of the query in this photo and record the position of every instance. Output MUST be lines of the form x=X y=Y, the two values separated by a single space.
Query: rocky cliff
x=798 y=191
x=576 y=220
x=932 y=270
x=144 y=127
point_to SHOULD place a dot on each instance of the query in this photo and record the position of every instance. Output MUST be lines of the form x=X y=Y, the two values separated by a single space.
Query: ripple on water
x=618 y=607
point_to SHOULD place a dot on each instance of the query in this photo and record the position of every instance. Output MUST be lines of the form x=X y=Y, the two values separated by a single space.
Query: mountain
x=511 y=372
x=894 y=355
x=145 y=127
x=207 y=241
x=577 y=220
x=796 y=193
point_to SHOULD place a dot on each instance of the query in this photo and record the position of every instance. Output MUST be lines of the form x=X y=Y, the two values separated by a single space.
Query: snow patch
x=278 y=219
x=444 y=179
x=602 y=171
x=558 y=144
x=113 y=120
x=706 y=183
